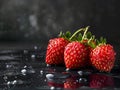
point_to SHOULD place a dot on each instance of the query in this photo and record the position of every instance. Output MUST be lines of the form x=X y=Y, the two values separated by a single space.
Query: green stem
x=79 y=30
x=86 y=29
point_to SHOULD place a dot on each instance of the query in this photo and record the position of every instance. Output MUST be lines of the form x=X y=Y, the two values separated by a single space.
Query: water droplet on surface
x=67 y=69
x=48 y=65
x=8 y=83
x=33 y=56
x=14 y=82
x=23 y=71
x=80 y=73
x=52 y=88
x=84 y=73
x=49 y=76
x=82 y=80
x=35 y=47
x=8 y=66
x=25 y=66
x=41 y=71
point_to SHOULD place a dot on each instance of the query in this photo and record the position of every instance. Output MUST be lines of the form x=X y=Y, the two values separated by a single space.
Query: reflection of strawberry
x=72 y=83
x=103 y=57
x=55 y=51
x=75 y=55
x=101 y=81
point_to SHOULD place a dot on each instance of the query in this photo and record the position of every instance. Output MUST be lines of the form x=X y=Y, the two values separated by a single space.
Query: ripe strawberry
x=103 y=57
x=75 y=55
x=101 y=81
x=90 y=45
x=56 y=46
x=55 y=51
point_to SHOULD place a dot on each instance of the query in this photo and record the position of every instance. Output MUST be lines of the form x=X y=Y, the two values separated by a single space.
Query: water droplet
x=33 y=56
x=67 y=69
x=25 y=66
x=41 y=71
x=8 y=83
x=80 y=73
x=52 y=88
x=23 y=71
x=45 y=80
x=82 y=80
x=14 y=82
x=35 y=47
x=48 y=65
x=8 y=66
x=49 y=76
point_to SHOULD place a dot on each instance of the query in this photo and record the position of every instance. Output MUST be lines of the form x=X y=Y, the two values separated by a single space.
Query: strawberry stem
x=79 y=30
x=86 y=29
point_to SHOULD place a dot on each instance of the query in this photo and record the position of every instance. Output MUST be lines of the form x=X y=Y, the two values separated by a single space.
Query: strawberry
x=56 y=46
x=103 y=57
x=101 y=81
x=55 y=50
x=90 y=46
x=75 y=55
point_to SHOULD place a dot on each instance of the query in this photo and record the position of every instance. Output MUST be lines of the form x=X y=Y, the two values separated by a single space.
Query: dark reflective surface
x=26 y=70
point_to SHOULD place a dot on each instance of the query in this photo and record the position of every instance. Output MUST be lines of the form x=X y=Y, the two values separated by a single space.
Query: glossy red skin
x=103 y=57
x=75 y=55
x=55 y=51
x=89 y=50
x=101 y=81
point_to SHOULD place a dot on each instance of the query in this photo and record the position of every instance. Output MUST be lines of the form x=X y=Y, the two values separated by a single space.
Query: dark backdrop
x=39 y=20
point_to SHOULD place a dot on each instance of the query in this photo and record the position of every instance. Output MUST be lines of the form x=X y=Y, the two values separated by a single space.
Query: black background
x=36 y=21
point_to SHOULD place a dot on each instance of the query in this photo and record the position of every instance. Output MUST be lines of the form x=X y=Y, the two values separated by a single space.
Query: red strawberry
x=90 y=46
x=75 y=55
x=101 y=81
x=55 y=51
x=103 y=57
x=56 y=46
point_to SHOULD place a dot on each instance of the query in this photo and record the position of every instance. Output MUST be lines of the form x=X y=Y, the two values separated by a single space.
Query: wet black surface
x=26 y=70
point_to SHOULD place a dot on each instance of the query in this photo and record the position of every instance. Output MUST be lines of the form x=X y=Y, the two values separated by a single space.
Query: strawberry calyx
x=87 y=38
x=101 y=41
x=70 y=37
x=84 y=36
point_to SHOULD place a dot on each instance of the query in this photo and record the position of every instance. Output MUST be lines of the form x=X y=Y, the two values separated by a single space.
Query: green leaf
x=103 y=40
x=79 y=38
x=89 y=35
x=92 y=44
x=68 y=34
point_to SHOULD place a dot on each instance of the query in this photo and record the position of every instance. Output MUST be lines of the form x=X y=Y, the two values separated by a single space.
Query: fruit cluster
x=81 y=49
